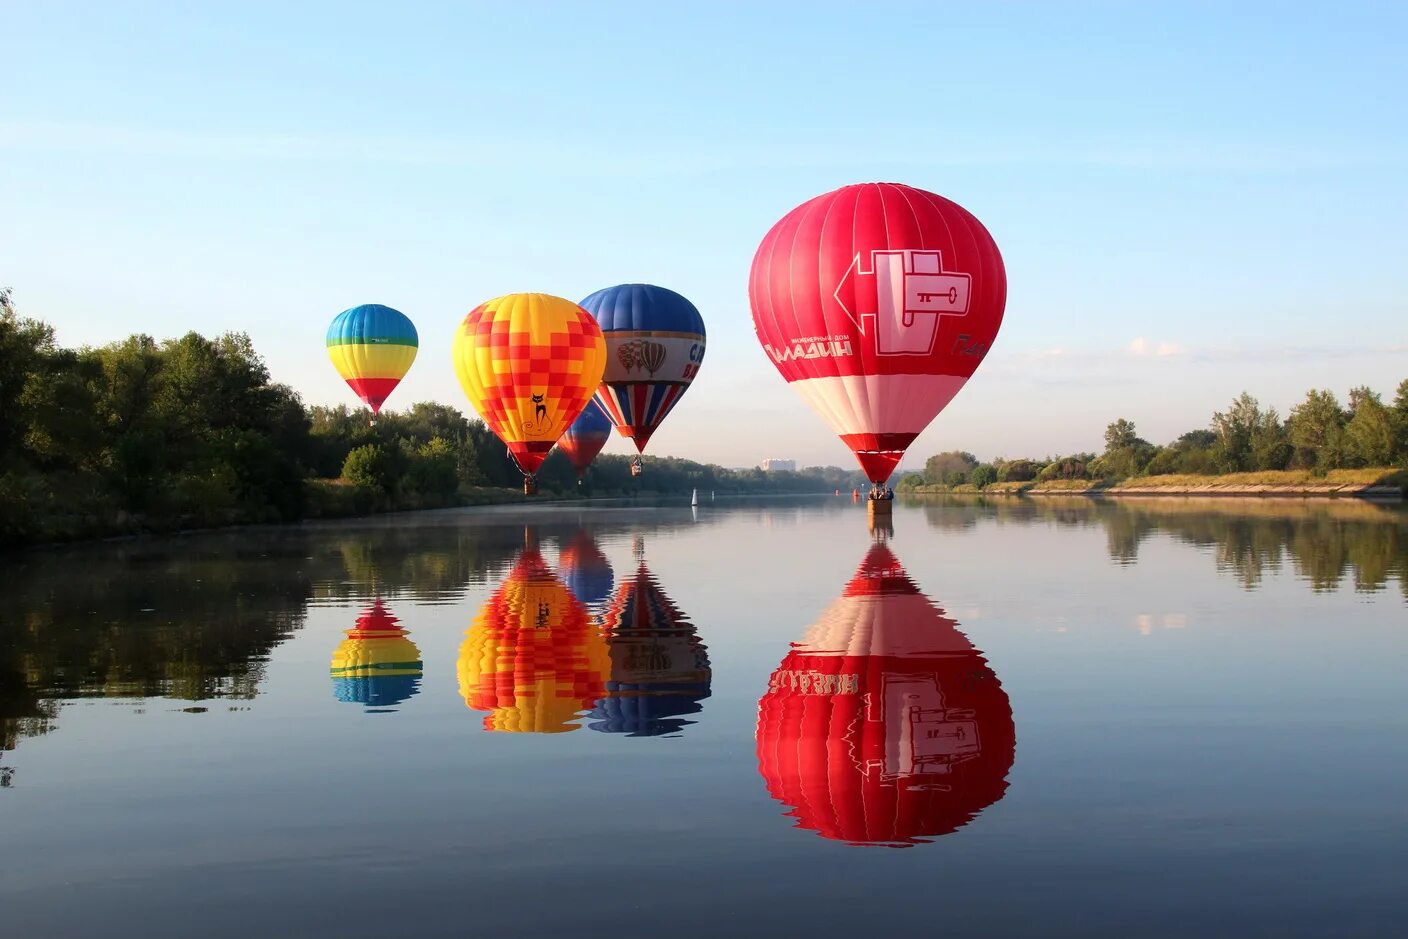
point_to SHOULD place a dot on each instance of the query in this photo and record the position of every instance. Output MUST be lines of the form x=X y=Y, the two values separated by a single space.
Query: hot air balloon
x=585 y=438
x=659 y=668
x=372 y=347
x=876 y=302
x=376 y=665
x=529 y=363
x=531 y=659
x=884 y=726
x=585 y=570
x=654 y=346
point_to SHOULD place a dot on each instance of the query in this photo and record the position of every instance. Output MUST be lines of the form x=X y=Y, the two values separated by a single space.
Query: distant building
x=779 y=466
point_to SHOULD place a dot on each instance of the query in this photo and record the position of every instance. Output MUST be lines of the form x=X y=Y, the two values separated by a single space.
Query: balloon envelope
x=876 y=302
x=659 y=668
x=884 y=726
x=531 y=659
x=529 y=363
x=654 y=345
x=585 y=438
x=372 y=347
x=376 y=664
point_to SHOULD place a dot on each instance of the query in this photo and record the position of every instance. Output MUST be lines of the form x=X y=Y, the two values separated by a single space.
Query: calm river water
x=1022 y=717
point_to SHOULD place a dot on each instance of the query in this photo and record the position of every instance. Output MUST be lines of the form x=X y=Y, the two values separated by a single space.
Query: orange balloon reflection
x=531 y=659
x=884 y=726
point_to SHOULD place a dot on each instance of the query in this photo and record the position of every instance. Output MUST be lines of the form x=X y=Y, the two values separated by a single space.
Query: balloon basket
x=530 y=486
x=879 y=508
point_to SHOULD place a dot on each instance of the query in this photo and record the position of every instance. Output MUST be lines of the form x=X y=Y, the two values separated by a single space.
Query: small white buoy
x=694 y=499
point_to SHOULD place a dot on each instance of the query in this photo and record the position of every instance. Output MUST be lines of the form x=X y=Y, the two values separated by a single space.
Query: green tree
x=984 y=475
x=1126 y=453
x=1120 y=435
x=1075 y=466
x=1369 y=435
x=1248 y=438
x=1018 y=471
x=1317 y=431
x=368 y=466
x=950 y=468
x=1400 y=423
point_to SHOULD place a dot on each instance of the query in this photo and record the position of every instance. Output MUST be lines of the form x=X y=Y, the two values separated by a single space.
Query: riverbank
x=1352 y=483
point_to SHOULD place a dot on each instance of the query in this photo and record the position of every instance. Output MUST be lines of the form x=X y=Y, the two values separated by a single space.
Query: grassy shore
x=1347 y=482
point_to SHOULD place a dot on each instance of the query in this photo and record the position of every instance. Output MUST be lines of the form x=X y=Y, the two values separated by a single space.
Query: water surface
x=1020 y=717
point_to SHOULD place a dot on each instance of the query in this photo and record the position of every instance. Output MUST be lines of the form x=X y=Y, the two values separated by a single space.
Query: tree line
x=193 y=432
x=1318 y=436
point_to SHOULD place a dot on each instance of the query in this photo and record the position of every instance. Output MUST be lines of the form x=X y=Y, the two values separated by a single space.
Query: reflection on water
x=376 y=665
x=1323 y=542
x=586 y=571
x=659 y=668
x=532 y=658
x=197 y=619
x=165 y=702
x=884 y=726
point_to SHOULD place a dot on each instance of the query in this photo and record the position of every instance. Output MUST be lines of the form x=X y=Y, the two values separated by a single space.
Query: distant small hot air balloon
x=376 y=664
x=372 y=347
x=659 y=668
x=876 y=302
x=884 y=726
x=585 y=438
x=531 y=659
x=654 y=345
x=529 y=363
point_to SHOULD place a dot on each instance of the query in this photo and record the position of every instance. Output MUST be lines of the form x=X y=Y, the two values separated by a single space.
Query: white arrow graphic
x=912 y=291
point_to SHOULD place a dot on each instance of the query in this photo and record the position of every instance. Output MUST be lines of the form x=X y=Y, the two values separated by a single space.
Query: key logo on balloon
x=900 y=299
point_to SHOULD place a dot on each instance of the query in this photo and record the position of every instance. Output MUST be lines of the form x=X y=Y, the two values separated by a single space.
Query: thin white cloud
x=1143 y=347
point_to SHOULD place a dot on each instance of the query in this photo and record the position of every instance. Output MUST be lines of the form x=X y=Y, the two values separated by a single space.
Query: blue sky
x=1191 y=200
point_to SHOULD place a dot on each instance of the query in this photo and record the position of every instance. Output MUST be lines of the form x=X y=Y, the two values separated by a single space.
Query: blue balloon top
x=372 y=323
x=642 y=308
x=589 y=584
x=592 y=420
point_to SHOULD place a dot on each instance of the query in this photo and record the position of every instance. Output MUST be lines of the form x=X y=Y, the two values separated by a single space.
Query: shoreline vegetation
x=1320 y=449
x=1361 y=483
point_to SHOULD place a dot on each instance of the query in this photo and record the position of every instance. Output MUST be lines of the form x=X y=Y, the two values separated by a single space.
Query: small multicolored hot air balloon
x=884 y=726
x=585 y=438
x=372 y=347
x=876 y=302
x=659 y=668
x=531 y=658
x=654 y=347
x=376 y=665
x=529 y=363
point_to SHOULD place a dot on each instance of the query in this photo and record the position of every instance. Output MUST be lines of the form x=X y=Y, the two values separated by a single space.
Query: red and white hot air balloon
x=877 y=302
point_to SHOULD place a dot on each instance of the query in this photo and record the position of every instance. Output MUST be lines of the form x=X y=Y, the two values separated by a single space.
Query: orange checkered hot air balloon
x=529 y=363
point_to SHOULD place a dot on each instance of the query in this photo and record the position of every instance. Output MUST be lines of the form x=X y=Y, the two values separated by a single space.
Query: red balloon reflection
x=884 y=726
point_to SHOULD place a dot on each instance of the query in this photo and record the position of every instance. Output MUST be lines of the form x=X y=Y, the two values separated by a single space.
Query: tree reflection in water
x=1323 y=541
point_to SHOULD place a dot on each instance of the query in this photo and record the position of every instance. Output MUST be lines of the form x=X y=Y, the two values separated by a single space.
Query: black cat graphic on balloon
x=539 y=423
